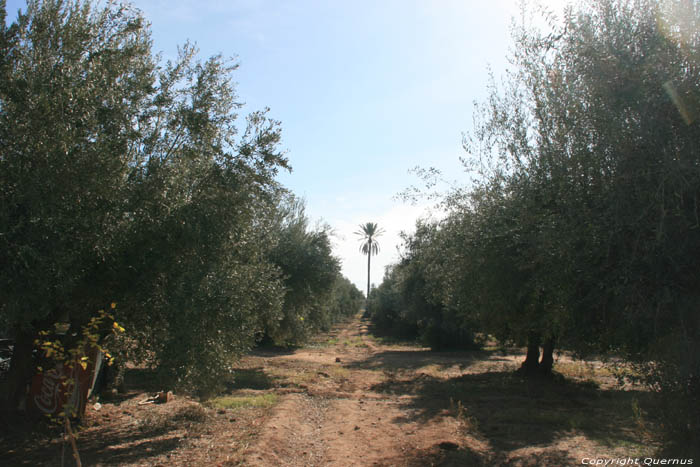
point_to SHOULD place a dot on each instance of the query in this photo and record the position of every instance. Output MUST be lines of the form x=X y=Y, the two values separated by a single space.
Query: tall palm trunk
x=369 y=258
x=369 y=246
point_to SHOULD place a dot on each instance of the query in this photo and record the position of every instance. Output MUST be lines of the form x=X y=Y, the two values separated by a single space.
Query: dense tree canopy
x=309 y=273
x=125 y=179
x=582 y=231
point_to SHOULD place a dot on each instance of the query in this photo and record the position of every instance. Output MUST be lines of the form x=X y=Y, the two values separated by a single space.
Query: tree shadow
x=136 y=381
x=512 y=411
x=411 y=359
x=132 y=446
x=131 y=440
x=439 y=455
x=460 y=456
x=118 y=447
x=142 y=380
x=250 y=378
x=156 y=435
x=271 y=351
x=134 y=452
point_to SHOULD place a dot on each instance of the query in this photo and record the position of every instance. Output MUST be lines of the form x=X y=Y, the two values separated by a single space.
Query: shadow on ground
x=439 y=456
x=250 y=378
x=124 y=445
x=124 y=434
x=412 y=359
x=463 y=456
x=512 y=412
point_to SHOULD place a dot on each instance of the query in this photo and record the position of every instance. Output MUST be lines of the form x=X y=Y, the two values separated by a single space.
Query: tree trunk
x=547 y=357
x=20 y=372
x=369 y=258
x=531 y=363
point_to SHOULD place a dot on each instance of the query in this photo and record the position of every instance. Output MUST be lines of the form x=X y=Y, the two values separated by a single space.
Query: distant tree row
x=125 y=179
x=582 y=231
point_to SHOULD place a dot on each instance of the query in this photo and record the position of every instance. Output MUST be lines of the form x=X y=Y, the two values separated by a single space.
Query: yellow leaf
x=113 y=305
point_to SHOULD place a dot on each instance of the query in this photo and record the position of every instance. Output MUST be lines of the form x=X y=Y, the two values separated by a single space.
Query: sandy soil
x=343 y=421
x=366 y=403
x=351 y=399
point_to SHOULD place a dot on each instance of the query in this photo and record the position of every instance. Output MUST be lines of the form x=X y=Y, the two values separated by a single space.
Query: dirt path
x=351 y=399
x=342 y=418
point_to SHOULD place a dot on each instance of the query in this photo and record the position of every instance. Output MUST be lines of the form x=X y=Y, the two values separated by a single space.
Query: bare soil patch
x=350 y=399
x=398 y=405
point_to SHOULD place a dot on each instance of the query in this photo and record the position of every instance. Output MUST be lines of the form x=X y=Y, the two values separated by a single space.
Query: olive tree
x=125 y=179
x=595 y=176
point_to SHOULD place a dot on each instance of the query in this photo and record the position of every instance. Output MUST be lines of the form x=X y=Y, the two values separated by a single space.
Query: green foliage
x=124 y=177
x=346 y=299
x=315 y=294
x=385 y=310
x=596 y=168
x=67 y=349
x=74 y=84
x=409 y=303
x=583 y=224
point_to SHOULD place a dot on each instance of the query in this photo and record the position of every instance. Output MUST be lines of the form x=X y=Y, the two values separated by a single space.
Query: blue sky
x=365 y=90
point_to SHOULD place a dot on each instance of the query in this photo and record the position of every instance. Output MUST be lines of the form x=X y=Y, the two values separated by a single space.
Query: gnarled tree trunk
x=547 y=356
x=531 y=363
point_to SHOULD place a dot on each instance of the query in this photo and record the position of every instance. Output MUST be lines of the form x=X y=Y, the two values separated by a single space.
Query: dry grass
x=264 y=401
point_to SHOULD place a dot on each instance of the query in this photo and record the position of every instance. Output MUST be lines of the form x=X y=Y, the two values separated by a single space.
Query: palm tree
x=369 y=233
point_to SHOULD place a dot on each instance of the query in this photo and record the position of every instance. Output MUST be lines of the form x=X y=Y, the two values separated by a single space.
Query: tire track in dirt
x=349 y=421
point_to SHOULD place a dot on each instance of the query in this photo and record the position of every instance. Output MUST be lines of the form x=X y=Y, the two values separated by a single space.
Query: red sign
x=53 y=389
